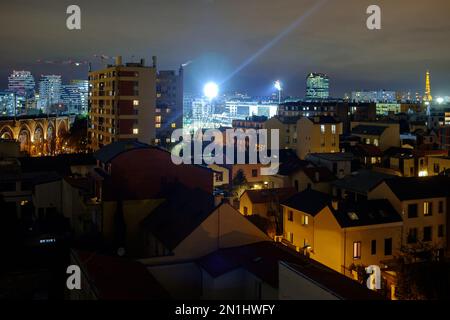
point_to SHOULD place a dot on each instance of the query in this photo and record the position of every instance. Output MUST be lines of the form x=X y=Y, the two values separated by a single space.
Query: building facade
x=169 y=104
x=49 y=92
x=122 y=103
x=317 y=86
x=21 y=83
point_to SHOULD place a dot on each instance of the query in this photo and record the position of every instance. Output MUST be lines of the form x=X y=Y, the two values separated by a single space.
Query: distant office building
x=239 y=109
x=386 y=108
x=21 y=83
x=343 y=110
x=317 y=86
x=7 y=103
x=169 y=104
x=374 y=96
x=74 y=96
x=49 y=92
x=122 y=103
x=202 y=109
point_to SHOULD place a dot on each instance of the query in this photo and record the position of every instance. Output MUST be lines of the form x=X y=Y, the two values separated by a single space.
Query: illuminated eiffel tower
x=427 y=97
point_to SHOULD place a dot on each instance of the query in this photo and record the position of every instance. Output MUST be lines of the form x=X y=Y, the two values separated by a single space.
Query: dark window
x=245 y=210
x=254 y=172
x=412 y=210
x=335 y=168
x=290 y=216
x=296 y=185
x=412 y=235
x=441 y=231
x=436 y=168
x=427 y=233
x=388 y=247
x=441 y=206
x=373 y=247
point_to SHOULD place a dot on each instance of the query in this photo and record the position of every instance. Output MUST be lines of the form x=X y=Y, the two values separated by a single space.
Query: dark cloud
x=220 y=35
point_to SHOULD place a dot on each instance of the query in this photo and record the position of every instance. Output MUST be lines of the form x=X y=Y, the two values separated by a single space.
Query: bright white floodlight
x=440 y=100
x=211 y=90
x=277 y=85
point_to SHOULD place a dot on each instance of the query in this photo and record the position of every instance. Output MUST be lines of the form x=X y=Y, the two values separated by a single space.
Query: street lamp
x=279 y=88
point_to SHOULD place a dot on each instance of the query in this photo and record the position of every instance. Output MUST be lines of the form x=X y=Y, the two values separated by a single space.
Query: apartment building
x=169 y=104
x=122 y=103
x=423 y=205
x=318 y=135
x=380 y=134
x=341 y=235
x=287 y=127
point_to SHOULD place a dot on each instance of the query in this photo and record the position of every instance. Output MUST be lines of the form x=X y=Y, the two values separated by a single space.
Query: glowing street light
x=211 y=90
x=279 y=88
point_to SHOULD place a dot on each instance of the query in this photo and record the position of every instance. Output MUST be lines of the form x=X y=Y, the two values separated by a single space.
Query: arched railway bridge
x=37 y=135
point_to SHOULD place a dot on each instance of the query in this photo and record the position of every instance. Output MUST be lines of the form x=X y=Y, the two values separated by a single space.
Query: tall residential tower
x=122 y=103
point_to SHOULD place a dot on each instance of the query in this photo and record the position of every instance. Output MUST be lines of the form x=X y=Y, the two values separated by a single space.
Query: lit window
x=174 y=125
x=305 y=221
x=135 y=131
x=357 y=250
x=333 y=129
x=158 y=125
x=135 y=103
x=427 y=208
x=158 y=119
x=375 y=142
x=322 y=129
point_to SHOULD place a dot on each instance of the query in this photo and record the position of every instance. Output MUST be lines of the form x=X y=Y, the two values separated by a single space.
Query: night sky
x=220 y=37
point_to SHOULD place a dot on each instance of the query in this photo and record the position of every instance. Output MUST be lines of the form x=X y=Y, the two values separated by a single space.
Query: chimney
x=118 y=60
x=154 y=59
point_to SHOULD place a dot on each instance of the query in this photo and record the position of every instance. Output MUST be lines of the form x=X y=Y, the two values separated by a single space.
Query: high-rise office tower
x=122 y=103
x=21 y=83
x=169 y=104
x=317 y=86
x=427 y=97
x=74 y=96
x=49 y=92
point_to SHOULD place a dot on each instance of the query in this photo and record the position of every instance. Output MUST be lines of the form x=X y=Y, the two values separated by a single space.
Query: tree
x=239 y=182
x=422 y=274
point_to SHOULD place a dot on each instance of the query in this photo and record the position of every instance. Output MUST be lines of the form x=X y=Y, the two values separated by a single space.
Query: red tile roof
x=116 y=278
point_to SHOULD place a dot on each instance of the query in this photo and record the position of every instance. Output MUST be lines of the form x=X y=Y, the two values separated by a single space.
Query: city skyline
x=246 y=48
